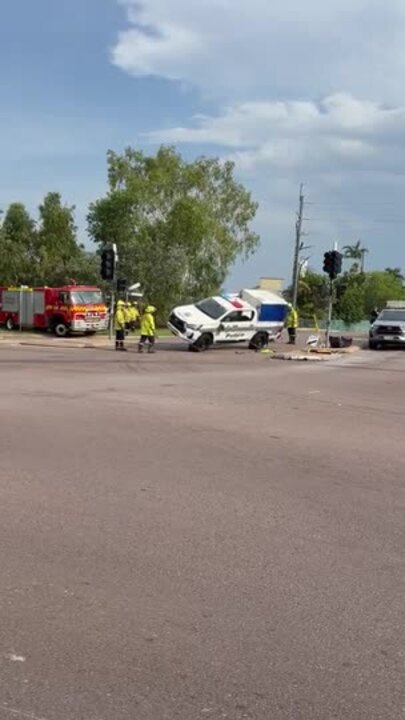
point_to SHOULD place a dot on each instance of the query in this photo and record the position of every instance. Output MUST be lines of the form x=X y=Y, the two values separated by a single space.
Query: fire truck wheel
x=60 y=329
x=10 y=324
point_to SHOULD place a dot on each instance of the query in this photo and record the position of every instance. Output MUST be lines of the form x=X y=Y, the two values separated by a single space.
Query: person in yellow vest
x=148 y=329
x=133 y=316
x=119 y=324
x=291 y=323
x=127 y=312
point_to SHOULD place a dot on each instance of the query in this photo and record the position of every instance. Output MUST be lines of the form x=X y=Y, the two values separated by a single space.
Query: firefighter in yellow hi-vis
x=148 y=329
x=291 y=323
x=133 y=313
x=119 y=324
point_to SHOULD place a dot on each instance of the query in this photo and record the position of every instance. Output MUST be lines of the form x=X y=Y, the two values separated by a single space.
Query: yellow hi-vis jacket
x=133 y=313
x=120 y=319
x=148 y=327
x=292 y=319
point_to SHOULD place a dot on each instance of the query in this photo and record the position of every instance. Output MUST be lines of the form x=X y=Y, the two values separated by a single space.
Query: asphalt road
x=201 y=536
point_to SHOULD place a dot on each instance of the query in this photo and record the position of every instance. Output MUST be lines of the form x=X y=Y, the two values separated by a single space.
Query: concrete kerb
x=72 y=344
x=104 y=343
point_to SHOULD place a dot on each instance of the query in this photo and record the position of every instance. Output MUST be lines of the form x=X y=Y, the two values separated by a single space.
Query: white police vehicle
x=252 y=316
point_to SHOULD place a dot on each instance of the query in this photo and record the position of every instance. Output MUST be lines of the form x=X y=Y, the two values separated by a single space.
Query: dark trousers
x=119 y=339
x=147 y=339
x=292 y=334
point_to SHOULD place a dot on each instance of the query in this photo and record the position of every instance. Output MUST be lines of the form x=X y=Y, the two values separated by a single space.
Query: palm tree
x=396 y=273
x=356 y=253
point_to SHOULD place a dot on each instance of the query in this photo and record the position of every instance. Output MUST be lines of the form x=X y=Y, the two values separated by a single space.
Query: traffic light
x=121 y=285
x=332 y=263
x=327 y=263
x=107 y=264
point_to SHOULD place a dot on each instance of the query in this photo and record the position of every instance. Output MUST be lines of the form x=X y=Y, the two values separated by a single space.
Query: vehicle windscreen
x=212 y=308
x=392 y=316
x=87 y=297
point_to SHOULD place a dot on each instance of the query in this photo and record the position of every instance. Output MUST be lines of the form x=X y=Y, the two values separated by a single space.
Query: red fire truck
x=64 y=310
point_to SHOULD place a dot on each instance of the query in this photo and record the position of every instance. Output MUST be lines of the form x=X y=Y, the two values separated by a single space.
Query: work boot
x=140 y=349
x=151 y=350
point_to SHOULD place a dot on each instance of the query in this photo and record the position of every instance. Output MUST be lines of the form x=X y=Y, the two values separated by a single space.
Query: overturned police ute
x=252 y=316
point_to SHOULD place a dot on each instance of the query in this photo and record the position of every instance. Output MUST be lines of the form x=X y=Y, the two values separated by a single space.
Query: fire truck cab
x=64 y=310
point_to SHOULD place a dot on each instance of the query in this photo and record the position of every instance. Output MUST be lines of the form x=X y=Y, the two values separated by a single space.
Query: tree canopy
x=178 y=226
x=45 y=251
x=357 y=294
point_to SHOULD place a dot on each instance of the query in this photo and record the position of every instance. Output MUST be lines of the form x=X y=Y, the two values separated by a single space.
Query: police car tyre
x=259 y=341
x=10 y=325
x=204 y=342
x=375 y=345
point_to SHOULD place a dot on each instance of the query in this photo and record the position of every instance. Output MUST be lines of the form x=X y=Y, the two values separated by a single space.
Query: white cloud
x=349 y=152
x=340 y=132
x=263 y=67
x=239 y=48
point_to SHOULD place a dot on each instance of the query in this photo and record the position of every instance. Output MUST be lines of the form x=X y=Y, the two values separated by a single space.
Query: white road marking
x=16 y=658
x=20 y=713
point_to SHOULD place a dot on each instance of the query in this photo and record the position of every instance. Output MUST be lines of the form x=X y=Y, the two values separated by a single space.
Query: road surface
x=201 y=536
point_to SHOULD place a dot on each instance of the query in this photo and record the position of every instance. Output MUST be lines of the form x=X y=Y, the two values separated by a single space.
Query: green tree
x=46 y=254
x=379 y=288
x=178 y=226
x=84 y=269
x=57 y=250
x=350 y=299
x=17 y=245
x=357 y=253
x=312 y=295
x=395 y=272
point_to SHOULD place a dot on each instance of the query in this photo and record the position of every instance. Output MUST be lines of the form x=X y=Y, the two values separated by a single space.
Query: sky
x=294 y=92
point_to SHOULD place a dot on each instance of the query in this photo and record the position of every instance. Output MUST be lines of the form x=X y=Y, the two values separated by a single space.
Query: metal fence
x=360 y=328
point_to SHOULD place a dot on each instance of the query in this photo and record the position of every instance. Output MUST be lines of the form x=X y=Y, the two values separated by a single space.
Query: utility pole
x=298 y=247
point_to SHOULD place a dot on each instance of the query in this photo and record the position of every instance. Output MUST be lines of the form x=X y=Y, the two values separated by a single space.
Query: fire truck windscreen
x=87 y=297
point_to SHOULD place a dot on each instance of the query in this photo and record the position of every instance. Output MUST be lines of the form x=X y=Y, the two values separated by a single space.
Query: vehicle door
x=236 y=326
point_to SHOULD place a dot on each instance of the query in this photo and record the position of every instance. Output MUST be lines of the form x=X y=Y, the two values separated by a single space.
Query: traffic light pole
x=112 y=312
x=332 y=266
x=330 y=309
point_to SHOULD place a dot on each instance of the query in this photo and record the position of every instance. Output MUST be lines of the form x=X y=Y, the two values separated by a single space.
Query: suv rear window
x=392 y=316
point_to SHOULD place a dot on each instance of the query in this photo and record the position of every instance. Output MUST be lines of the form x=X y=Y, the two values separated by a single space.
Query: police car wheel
x=204 y=342
x=259 y=341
